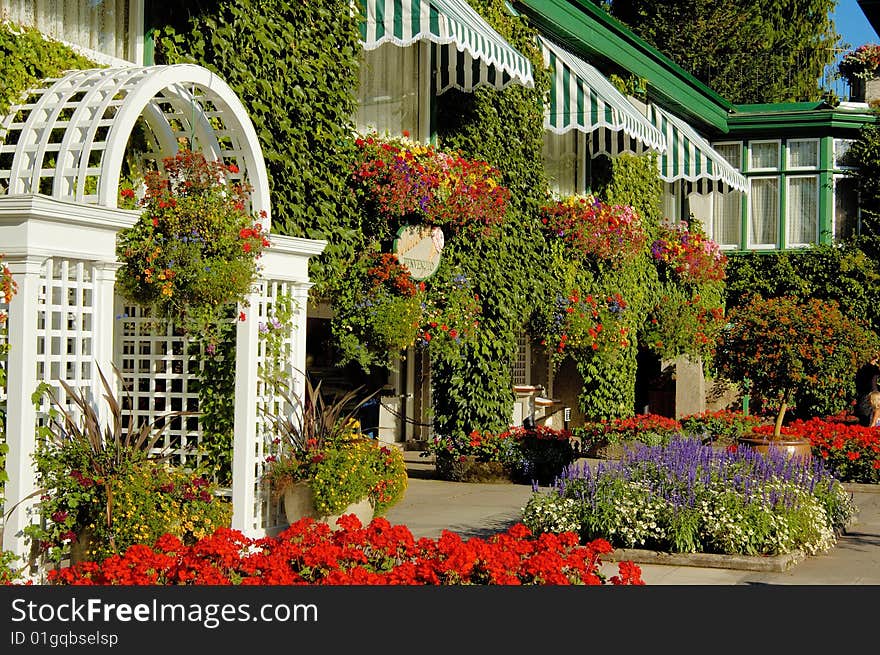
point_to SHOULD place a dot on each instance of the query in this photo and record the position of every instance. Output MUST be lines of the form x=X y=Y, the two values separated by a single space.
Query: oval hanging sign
x=418 y=247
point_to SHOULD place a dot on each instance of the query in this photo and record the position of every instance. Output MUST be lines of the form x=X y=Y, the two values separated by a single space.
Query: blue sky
x=852 y=24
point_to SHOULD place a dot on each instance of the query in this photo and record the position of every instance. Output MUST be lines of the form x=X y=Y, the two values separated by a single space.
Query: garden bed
x=764 y=563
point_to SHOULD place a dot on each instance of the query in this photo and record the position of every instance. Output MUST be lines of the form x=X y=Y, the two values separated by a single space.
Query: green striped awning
x=471 y=53
x=581 y=98
x=689 y=156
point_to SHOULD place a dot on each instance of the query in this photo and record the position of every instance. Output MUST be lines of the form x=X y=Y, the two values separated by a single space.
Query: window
x=99 y=26
x=521 y=373
x=389 y=94
x=802 y=215
x=763 y=212
x=732 y=153
x=764 y=155
x=672 y=202
x=846 y=207
x=563 y=161
x=803 y=153
x=726 y=218
x=841 y=150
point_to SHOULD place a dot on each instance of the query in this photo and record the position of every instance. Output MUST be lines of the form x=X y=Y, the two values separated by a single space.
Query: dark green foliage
x=746 y=50
x=504 y=128
x=294 y=65
x=864 y=156
x=841 y=272
x=27 y=58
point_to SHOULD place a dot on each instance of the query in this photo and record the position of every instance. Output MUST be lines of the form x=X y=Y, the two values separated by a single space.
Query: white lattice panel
x=4 y=311
x=65 y=324
x=160 y=375
x=268 y=514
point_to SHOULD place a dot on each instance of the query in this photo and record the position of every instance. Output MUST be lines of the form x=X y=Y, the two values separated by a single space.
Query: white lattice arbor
x=61 y=159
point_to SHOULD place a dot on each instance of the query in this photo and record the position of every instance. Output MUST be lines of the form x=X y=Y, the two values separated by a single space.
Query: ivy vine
x=27 y=58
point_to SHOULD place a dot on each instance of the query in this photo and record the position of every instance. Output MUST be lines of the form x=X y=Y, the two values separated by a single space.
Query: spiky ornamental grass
x=687 y=497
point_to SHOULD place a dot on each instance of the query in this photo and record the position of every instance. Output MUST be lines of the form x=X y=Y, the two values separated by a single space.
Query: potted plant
x=322 y=466
x=793 y=352
x=859 y=66
x=109 y=485
x=398 y=182
x=193 y=253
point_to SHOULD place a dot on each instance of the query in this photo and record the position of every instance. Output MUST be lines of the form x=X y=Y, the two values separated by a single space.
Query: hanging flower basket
x=400 y=182
x=193 y=253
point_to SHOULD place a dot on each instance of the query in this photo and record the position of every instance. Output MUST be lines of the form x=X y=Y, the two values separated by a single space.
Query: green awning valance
x=581 y=98
x=689 y=156
x=471 y=53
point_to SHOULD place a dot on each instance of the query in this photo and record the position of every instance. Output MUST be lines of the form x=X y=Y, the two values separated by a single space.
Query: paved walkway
x=479 y=510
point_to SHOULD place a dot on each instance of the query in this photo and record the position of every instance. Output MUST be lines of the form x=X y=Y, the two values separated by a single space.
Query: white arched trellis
x=62 y=151
x=69 y=139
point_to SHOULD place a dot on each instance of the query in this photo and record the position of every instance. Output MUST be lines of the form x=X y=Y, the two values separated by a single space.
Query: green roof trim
x=797 y=119
x=590 y=32
x=780 y=107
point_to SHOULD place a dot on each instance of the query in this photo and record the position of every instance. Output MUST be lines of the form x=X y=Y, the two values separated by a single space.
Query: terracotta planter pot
x=299 y=502
x=80 y=549
x=789 y=446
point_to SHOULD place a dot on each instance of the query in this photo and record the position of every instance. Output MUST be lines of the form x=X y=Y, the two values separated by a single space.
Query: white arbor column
x=103 y=318
x=298 y=362
x=244 y=454
x=21 y=416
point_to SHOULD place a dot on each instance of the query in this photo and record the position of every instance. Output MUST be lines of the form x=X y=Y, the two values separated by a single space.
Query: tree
x=804 y=353
x=746 y=50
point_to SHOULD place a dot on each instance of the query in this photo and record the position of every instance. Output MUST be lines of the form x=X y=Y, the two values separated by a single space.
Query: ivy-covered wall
x=294 y=66
x=610 y=386
x=297 y=73
x=504 y=128
x=26 y=58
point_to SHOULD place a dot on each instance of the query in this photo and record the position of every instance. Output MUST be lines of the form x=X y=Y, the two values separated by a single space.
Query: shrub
x=687 y=497
x=520 y=454
x=724 y=425
x=648 y=429
x=354 y=555
x=804 y=353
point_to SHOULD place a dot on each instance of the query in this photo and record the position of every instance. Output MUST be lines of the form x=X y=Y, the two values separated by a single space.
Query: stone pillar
x=872 y=90
x=690 y=387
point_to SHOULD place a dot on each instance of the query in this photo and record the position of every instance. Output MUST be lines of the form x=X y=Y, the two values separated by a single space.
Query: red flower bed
x=850 y=450
x=309 y=553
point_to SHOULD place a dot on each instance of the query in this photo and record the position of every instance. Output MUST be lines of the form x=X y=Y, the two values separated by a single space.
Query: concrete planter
x=299 y=502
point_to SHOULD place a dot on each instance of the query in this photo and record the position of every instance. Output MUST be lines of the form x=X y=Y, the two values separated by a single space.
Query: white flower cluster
x=639 y=518
x=550 y=513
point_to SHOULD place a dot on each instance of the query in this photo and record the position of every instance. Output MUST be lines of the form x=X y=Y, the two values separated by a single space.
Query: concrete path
x=479 y=510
